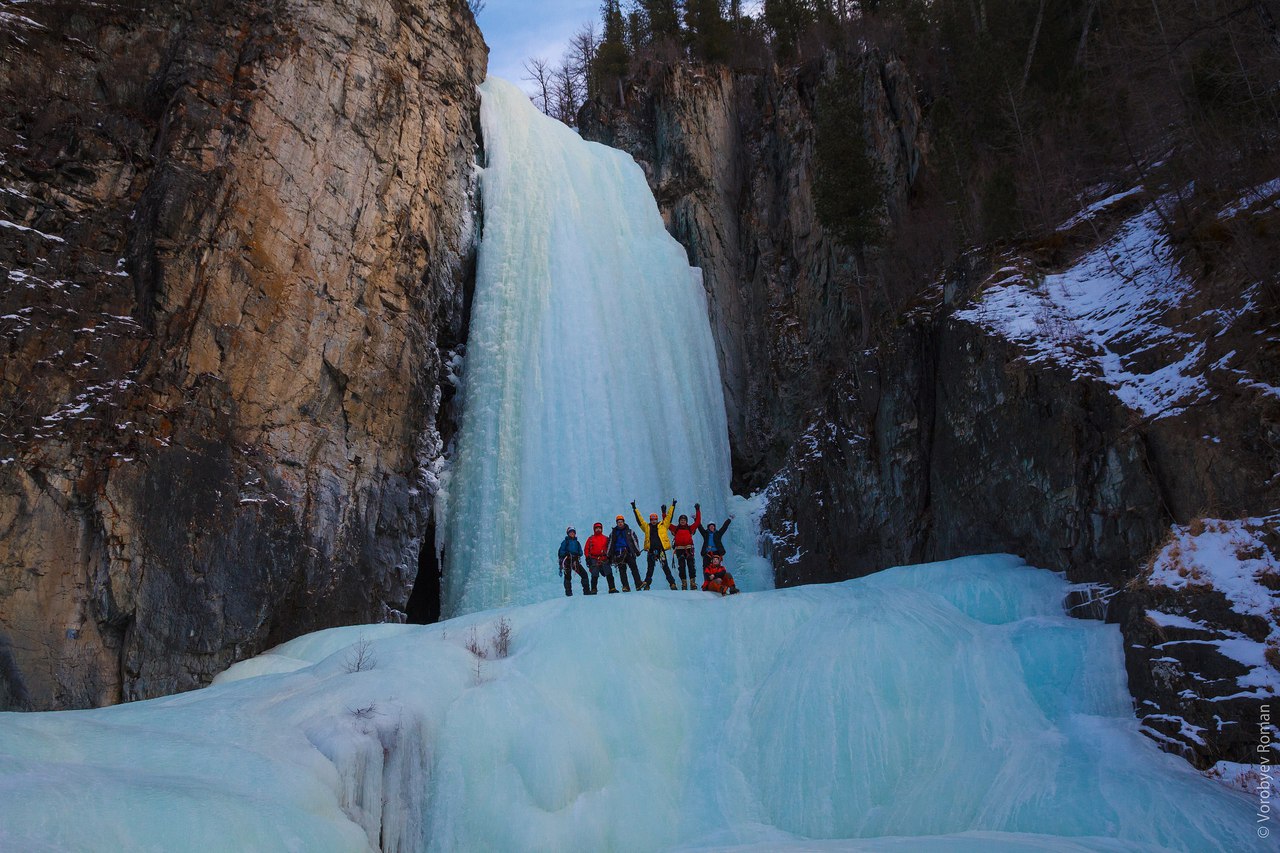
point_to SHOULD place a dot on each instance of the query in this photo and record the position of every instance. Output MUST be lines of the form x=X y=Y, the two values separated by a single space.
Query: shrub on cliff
x=849 y=186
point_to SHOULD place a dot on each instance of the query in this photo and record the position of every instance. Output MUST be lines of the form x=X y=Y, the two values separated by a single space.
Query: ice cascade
x=591 y=376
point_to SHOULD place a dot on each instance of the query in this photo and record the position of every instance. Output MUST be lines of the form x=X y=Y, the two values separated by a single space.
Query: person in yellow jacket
x=657 y=540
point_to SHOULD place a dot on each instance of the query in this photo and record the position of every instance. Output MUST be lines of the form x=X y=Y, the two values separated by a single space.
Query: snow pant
x=598 y=568
x=707 y=555
x=622 y=563
x=658 y=555
x=724 y=587
x=567 y=568
x=684 y=562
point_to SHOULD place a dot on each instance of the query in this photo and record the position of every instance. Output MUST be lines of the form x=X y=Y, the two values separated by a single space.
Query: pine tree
x=708 y=30
x=612 y=59
x=663 y=17
x=849 y=188
x=788 y=19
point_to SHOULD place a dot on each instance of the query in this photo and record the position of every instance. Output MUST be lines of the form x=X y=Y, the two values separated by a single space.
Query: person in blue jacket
x=624 y=547
x=571 y=561
x=712 y=541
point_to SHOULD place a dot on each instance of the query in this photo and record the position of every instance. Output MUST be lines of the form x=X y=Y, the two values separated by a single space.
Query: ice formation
x=590 y=377
x=942 y=707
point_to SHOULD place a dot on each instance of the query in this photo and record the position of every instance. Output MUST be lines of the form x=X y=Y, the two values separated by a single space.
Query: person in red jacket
x=597 y=552
x=717 y=578
x=683 y=536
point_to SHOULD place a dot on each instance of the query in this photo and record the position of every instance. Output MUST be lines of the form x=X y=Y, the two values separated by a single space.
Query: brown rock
x=249 y=247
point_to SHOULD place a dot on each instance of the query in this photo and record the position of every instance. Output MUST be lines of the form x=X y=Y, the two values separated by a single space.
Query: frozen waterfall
x=591 y=376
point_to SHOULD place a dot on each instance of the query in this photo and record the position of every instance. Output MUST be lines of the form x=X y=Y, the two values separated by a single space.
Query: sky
x=518 y=29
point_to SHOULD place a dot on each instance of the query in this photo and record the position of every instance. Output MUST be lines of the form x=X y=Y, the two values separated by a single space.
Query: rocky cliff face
x=235 y=250
x=730 y=160
x=1067 y=400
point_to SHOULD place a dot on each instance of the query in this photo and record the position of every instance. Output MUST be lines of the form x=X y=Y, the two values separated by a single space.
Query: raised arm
x=726 y=524
x=644 y=525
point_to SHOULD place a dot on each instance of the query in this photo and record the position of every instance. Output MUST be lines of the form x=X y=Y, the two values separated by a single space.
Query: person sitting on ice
x=712 y=540
x=571 y=561
x=657 y=540
x=717 y=578
x=683 y=533
x=597 y=552
x=624 y=547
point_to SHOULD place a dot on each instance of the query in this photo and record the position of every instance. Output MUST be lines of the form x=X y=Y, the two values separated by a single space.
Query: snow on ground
x=1111 y=315
x=1234 y=558
x=1251 y=200
x=943 y=707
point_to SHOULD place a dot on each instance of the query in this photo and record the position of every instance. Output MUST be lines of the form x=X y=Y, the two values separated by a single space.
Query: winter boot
x=626 y=588
x=614 y=589
x=673 y=586
x=684 y=584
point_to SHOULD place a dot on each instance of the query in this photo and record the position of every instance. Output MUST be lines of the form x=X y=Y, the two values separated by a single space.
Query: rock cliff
x=1071 y=400
x=236 y=247
x=730 y=160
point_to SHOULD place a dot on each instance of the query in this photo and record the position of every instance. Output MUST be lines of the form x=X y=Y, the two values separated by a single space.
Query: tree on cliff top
x=612 y=60
x=663 y=18
x=708 y=31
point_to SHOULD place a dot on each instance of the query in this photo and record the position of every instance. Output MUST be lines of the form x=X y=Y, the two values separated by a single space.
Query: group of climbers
x=621 y=547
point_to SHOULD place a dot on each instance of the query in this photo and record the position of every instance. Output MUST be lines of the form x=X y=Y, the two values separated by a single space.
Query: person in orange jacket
x=657 y=540
x=597 y=551
x=683 y=535
x=717 y=578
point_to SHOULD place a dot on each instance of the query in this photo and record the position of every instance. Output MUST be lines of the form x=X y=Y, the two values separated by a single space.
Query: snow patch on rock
x=1111 y=315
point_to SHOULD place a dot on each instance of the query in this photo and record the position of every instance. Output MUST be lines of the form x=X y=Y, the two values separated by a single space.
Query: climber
x=624 y=547
x=683 y=533
x=657 y=539
x=571 y=561
x=717 y=578
x=597 y=552
x=712 y=540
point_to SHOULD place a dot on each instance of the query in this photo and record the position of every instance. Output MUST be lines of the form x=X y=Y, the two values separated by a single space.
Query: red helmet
x=598 y=526
x=653 y=516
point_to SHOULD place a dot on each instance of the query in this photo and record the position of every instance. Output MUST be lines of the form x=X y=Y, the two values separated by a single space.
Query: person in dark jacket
x=624 y=547
x=682 y=533
x=713 y=541
x=597 y=552
x=571 y=561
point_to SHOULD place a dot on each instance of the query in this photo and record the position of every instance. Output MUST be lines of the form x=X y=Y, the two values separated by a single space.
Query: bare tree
x=502 y=638
x=538 y=71
x=581 y=57
x=360 y=656
x=567 y=94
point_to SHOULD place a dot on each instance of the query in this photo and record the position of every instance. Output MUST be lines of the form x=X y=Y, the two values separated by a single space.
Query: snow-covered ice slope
x=590 y=377
x=942 y=707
